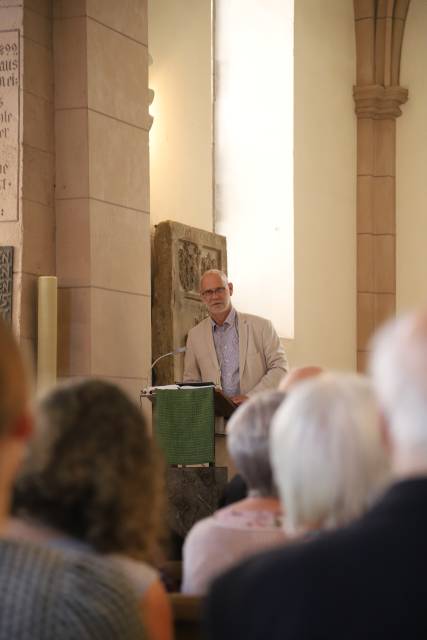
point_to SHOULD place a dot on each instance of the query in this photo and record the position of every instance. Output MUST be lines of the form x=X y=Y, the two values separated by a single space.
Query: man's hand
x=239 y=399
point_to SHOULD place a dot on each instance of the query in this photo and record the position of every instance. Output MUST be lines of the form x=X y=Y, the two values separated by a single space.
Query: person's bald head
x=13 y=382
x=298 y=375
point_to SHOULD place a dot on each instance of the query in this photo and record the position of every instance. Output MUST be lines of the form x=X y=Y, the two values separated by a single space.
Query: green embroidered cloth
x=184 y=425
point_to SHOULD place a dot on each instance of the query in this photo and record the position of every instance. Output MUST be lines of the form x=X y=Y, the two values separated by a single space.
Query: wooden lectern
x=184 y=421
x=184 y=427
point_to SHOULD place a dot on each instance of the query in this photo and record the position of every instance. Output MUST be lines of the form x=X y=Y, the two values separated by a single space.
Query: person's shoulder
x=252 y=319
x=199 y=327
x=65 y=591
x=200 y=533
x=264 y=582
x=98 y=595
x=295 y=560
x=141 y=574
x=199 y=552
x=33 y=557
x=257 y=568
x=242 y=601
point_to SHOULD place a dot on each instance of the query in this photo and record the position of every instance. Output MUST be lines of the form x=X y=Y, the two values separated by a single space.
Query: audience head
x=15 y=421
x=399 y=371
x=13 y=383
x=298 y=374
x=248 y=441
x=328 y=455
x=92 y=471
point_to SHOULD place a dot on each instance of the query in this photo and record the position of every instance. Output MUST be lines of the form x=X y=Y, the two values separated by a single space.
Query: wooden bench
x=186 y=611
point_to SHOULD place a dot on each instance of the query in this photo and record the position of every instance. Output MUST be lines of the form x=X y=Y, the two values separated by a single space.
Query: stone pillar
x=27 y=153
x=379 y=33
x=102 y=191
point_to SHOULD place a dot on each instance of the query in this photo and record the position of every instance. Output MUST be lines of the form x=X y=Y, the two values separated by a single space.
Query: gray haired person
x=247 y=526
x=330 y=461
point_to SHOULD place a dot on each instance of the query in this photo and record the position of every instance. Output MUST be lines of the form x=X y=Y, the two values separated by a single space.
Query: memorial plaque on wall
x=6 y=283
x=180 y=255
x=9 y=124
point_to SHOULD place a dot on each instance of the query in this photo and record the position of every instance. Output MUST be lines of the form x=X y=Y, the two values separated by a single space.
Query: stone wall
x=78 y=200
x=28 y=222
x=102 y=192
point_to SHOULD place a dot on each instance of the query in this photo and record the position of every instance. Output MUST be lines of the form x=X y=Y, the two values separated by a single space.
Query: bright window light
x=254 y=154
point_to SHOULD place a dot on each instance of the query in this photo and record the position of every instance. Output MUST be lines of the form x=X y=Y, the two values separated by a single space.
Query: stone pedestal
x=193 y=494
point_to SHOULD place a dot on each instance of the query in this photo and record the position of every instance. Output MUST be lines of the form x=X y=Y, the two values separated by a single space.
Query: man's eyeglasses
x=208 y=293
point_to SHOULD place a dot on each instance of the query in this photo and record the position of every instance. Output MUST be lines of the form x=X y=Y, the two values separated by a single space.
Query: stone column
x=102 y=191
x=379 y=33
x=27 y=153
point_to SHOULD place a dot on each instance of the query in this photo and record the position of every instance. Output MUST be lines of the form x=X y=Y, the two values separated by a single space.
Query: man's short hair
x=327 y=453
x=399 y=370
x=215 y=272
x=248 y=440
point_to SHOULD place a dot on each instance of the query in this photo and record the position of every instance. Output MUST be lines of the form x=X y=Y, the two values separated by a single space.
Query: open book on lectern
x=223 y=405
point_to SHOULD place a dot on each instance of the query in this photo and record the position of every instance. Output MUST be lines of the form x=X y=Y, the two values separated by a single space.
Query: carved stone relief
x=201 y=315
x=6 y=283
x=210 y=260
x=180 y=255
x=188 y=258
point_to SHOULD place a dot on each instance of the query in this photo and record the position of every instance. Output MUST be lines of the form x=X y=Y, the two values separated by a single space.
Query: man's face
x=216 y=294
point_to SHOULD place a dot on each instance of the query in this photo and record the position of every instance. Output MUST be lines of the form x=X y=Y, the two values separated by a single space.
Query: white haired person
x=330 y=464
x=250 y=525
x=327 y=452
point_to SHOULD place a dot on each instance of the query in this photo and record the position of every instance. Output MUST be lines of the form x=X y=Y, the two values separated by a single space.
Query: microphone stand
x=165 y=355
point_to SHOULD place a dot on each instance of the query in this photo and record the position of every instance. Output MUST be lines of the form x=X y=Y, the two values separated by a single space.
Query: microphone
x=170 y=353
x=145 y=392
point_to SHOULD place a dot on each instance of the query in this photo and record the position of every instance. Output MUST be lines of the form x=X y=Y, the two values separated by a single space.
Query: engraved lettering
x=9 y=124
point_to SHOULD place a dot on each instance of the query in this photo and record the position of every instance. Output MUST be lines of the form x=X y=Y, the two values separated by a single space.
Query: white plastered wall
x=325 y=158
x=181 y=135
x=411 y=182
x=325 y=186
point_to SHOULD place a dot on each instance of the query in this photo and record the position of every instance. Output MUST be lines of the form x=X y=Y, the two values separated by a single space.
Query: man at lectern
x=239 y=352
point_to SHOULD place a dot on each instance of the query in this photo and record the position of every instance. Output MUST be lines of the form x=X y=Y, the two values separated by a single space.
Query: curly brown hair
x=93 y=471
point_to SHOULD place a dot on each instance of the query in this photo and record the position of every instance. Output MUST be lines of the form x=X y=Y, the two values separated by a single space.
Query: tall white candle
x=47 y=312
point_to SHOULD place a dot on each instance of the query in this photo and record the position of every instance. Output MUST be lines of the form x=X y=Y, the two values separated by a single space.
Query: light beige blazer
x=262 y=359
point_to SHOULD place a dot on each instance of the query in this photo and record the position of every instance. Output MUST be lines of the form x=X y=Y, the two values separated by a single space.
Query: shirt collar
x=229 y=321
